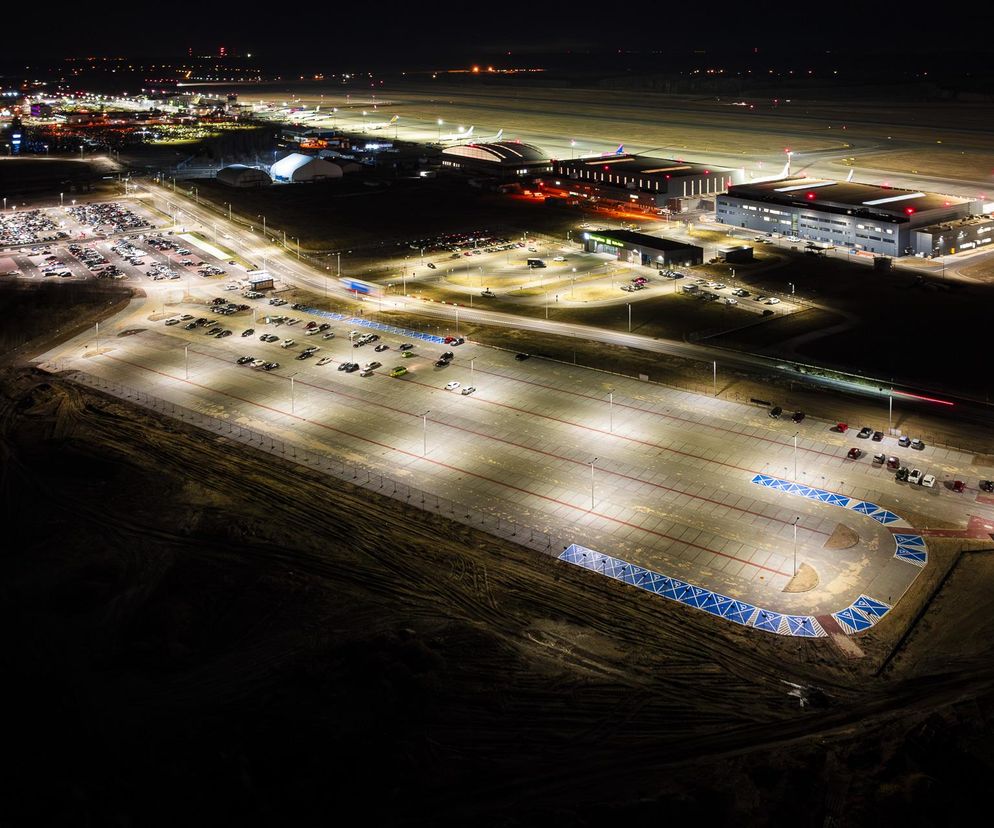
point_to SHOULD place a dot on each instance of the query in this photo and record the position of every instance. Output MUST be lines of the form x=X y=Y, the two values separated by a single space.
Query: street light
x=292 y=401
x=611 y=410
x=424 y=418
x=592 y=483
x=795 y=543
x=186 y=360
x=795 y=455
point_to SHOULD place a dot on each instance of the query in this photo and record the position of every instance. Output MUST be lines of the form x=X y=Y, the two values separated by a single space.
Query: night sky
x=395 y=34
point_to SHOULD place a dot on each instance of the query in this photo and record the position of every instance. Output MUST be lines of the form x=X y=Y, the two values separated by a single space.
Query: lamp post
x=440 y=122
x=611 y=411
x=292 y=400
x=186 y=360
x=629 y=317
x=424 y=418
x=795 y=455
x=592 y=483
x=62 y=199
x=795 y=543
x=714 y=367
x=890 y=411
x=471 y=370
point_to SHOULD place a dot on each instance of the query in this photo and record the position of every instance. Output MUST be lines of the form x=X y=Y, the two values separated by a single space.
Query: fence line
x=355 y=473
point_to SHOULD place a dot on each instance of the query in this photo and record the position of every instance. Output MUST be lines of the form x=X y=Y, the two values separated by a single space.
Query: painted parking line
x=450 y=467
x=911 y=548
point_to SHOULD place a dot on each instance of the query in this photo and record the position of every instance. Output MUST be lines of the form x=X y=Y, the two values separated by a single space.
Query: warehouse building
x=868 y=217
x=643 y=181
x=502 y=159
x=297 y=168
x=956 y=236
x=238 y=175
x=642 y=249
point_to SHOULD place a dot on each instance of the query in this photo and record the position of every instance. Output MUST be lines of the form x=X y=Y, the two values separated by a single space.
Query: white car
x=773 y=301
x=257 y=363
x=286 y=343
x=928 y=481
x=451 y=386
x=324 y=360
x=559 y=259
x=730 y=301
x=915 y=477
x=469 y=389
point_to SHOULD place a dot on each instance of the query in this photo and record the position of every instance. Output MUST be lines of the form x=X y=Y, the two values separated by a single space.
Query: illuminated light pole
x=795 y=543
x=186 y=359
x=795 y=455
x=629 y=317
x=714 y=366
x=890 y=411
x=62 y=199
x=611 y=411
x=592 y=483
x=292 y=400
x=424 y=418
x=471 y=370
x=457 y=320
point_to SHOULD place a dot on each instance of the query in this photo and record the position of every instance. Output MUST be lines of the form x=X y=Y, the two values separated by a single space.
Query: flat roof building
x=866 y=217
x=642 y=249
x=642 y=180
x=505 y=159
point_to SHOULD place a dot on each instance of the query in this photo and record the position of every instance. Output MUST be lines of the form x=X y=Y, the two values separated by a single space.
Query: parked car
x=877 y=436
x=855 y=453
x=917 y=444
x=798 y=416
x=775 y=412
x=451 y=386
x=915 y=477
x=521 y=357
x=880 y=458
x=928 y=481
x=864 y=432
x=469 y=389
x=902 y=473
x=987 y=485
x=248 y=332
x=893 y=463
x=399 y=371
x=958 y=486
x=904 y=441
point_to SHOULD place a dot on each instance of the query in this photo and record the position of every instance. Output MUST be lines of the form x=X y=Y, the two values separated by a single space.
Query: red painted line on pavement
x=536 y=450
x=447 y=466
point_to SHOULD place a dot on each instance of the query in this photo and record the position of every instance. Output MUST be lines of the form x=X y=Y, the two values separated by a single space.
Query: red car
x=842 y=428
x=958 y=485
x=855 y=453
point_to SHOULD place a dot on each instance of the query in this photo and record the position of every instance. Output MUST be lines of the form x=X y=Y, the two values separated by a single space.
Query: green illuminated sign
x=603 y=240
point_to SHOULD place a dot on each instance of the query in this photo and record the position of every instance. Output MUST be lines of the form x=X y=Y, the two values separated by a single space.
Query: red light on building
x=811 y=196
x=909 y=210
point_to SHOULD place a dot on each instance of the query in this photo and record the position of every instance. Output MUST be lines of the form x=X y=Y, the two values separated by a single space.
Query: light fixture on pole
x=592 y=483
x=795 y=543
x=424 y=418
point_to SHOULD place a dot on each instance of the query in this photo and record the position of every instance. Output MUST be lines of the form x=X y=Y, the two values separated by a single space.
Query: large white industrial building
x=296 y=168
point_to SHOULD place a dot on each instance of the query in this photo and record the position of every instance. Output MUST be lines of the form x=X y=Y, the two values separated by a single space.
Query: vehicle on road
x=775 y=412
x=469 y=389
x=248 y=332
x=329 y=335
x=864 y=432
x=798 y=416
x=430 y=265
x=928 y=481
x=324 y=360
x=381 y=348
x=877 y=437
x=286 y=343
x=305 y=355
x=405 y=346
x=270 y=366
x=451 y=386
x=855 y=453
x=958 y=486
x=987 y=485
x=522 y=357
x=399 y=371
x=245 y=359
x=441 y=363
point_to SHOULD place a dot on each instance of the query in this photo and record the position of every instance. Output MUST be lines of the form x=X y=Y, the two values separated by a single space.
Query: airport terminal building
x=501 y=159
x=864 y=217
x=643 y=181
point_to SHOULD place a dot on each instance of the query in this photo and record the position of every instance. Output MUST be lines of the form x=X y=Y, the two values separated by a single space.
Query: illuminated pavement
x=673 y=472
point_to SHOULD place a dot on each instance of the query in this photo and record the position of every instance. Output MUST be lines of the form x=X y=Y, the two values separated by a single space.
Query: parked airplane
x=465 y=135
x=383 y=124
